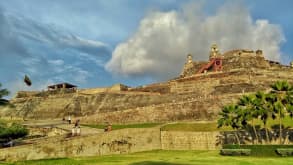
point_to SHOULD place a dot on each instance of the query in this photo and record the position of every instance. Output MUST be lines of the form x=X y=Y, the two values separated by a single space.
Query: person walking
x=76 y=124
x=69 y=119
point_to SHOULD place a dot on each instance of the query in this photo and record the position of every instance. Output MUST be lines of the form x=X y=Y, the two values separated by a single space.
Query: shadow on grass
x=154 y=163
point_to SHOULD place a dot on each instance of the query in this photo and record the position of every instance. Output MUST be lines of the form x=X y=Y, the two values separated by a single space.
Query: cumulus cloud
x=163 y=39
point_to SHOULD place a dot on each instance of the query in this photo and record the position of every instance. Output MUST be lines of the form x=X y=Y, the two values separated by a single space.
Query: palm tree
x=280 y=90
x=265 y=109
x=289 y=106
x=249 y=113
x=3 y=92
x=229 y=117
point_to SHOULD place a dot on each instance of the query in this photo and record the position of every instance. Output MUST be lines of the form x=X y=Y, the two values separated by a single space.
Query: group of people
x=75 y=131
x=68 y=119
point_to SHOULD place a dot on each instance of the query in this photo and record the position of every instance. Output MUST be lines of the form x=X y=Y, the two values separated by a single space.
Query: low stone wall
x=114 y=88
x=115 y=142
x=173 y=140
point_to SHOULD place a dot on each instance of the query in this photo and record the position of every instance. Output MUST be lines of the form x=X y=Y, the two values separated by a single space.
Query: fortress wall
x=79 y=104
x=202 y=87
x=175 y=140
x=114 y=88
x=196 y=108
x=92 y=91
x=23 y=94
x=114 y=142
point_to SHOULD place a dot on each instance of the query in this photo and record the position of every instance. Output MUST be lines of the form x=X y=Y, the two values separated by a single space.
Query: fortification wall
x=192 y=108
x=114 y=142
x=93 y=91
x=21 y=94
x=78 y=104
x=175 y=140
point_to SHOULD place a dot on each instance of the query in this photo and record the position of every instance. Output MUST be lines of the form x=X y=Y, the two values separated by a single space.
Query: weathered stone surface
x=174 y=140
x=115 y=142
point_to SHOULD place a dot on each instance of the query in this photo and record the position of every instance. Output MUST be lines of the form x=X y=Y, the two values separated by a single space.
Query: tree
x=249 y=111
x=3 y=92
x=280 y=93
x=265 y=109
x=229 y=117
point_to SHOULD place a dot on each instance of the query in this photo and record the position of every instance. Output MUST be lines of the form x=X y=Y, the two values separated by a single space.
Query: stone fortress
x=198 y=93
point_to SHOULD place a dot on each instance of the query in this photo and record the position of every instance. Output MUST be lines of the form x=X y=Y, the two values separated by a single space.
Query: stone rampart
x=193 y=108
x=114 y=88
x=174 y=140
x=114 y=142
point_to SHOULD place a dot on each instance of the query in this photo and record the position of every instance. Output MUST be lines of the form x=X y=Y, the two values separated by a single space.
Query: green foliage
x=229 y=117
x=3 y=92
x=14 y=131
x=275 y=104
x=260 y=150
x=235 y=152
x=281 y=86
x=285 y=151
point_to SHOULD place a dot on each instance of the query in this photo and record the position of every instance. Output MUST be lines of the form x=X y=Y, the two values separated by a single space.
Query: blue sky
x=94 y=43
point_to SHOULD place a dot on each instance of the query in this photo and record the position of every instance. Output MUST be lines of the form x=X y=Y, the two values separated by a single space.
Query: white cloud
x=57 y=62
x=160 y=45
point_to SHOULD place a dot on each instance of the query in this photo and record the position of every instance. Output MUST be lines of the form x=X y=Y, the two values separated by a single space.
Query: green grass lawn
x=122 y=126
x=160 y=157
x=199 y=127
x=210 y=126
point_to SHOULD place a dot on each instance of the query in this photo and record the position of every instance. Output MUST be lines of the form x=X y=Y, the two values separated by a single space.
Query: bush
x=260 y=150
x=284 y=151
x=14 y=131
x=235 y=152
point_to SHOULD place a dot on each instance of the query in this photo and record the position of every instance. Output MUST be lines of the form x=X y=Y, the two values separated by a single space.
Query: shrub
x=235 y=152
x=14 y=131
x=259 y=150
x=284 y=151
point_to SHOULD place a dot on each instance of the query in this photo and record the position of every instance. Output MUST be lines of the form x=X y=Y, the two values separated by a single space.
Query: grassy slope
x=115 y=127
x=165 y=158
x=193 y=127
x=288 y=122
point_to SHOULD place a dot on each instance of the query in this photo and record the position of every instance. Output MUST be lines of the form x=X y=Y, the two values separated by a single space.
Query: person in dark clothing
x=76 y=124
